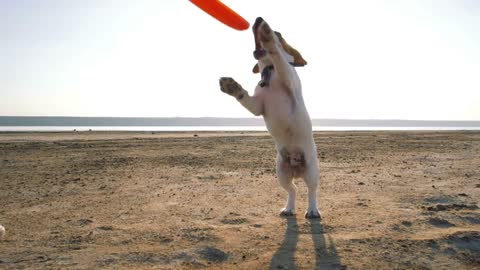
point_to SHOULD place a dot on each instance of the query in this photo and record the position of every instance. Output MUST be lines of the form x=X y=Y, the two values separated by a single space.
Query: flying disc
x=223 y=13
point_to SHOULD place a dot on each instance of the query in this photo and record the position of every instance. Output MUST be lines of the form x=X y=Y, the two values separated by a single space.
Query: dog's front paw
x=312 y=214
x=230 y=86
x=287 y=212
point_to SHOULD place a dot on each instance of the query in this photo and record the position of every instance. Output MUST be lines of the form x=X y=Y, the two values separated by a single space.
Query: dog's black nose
x=257 y=23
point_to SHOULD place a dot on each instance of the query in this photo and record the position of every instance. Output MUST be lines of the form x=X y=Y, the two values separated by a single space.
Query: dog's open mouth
x=259 y=52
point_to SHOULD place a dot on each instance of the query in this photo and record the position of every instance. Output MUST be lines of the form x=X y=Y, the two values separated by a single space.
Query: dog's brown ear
x=256 y=69
x=298 y=60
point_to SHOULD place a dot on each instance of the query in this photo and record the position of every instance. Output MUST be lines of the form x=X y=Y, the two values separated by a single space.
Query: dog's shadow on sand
x=326 y=256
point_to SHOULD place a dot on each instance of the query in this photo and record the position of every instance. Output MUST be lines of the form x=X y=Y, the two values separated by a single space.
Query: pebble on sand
x=2 y=232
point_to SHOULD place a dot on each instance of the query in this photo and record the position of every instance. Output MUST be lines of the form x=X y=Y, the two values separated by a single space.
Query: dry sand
x=90 y=200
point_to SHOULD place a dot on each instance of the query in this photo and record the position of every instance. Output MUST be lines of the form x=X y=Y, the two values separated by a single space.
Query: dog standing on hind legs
x=278 y=98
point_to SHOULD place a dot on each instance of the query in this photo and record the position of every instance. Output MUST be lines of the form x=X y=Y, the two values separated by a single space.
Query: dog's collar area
x=267 y=74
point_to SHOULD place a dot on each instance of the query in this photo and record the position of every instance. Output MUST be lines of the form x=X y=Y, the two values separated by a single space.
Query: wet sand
x=143 y=200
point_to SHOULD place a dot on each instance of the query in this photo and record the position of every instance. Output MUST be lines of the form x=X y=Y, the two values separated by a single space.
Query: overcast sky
x=409 y=59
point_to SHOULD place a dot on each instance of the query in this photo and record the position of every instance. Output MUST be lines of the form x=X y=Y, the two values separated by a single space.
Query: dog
x=278 y=98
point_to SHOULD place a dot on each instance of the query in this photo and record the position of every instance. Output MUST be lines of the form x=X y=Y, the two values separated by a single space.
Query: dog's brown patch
x=294 y=161
x=256 y=69
x=298 y=59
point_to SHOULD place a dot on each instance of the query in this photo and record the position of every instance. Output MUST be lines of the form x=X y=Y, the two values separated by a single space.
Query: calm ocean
x=45 y=124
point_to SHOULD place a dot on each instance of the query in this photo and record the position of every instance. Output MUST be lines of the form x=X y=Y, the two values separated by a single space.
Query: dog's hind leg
x=312 y=179
x=285 y=179
x=252 y=103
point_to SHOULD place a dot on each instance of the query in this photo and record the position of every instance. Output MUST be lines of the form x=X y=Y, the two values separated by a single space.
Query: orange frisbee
x=221 y=12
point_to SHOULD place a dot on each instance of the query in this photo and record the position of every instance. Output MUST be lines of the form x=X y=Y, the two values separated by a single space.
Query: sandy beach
x=143 y=200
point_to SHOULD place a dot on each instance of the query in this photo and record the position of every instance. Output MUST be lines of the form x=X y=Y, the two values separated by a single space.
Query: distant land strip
x=213 y=121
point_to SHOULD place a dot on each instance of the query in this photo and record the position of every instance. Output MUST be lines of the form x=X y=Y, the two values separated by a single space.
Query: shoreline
x=110 y=135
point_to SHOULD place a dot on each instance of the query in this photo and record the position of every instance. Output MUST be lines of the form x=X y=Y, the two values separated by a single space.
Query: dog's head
x=293 y=56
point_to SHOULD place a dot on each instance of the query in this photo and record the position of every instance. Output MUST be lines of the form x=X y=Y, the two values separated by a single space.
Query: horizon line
x=214 y=117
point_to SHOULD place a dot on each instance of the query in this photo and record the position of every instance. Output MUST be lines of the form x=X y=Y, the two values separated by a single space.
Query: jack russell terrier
x=278 y=98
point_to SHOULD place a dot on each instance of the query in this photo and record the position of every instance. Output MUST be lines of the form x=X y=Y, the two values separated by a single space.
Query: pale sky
x=390 y=59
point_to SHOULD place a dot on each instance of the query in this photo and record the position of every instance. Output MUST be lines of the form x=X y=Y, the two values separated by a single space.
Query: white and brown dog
x=278 y=98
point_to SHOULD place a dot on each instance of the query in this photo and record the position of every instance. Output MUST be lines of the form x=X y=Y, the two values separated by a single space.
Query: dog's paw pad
x=287 y=212
x=313 y=214
x=229 y=86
